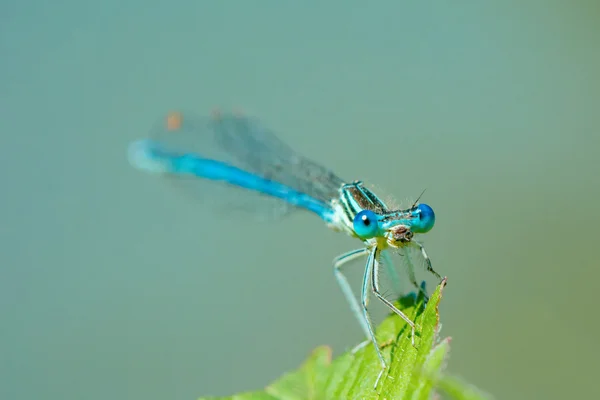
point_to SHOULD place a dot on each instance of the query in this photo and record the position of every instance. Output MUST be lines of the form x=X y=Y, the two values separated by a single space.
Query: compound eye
x=365 y=224
x=426 y=219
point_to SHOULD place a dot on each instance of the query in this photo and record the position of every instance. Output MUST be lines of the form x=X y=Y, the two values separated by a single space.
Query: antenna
x=418 y=198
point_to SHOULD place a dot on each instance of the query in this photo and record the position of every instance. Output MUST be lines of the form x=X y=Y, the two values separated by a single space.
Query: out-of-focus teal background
x=114 y=286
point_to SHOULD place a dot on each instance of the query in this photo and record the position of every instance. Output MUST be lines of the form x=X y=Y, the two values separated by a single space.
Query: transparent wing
x=407 y=269
x=245 y=143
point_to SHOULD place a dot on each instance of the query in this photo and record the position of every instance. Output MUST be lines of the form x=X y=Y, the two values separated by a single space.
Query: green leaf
x=414 y=373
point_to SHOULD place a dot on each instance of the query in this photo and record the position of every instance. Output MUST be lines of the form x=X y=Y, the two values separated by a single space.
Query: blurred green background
x=114 y=286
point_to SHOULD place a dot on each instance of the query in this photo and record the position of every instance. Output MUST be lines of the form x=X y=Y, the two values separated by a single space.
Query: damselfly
x=239 y=151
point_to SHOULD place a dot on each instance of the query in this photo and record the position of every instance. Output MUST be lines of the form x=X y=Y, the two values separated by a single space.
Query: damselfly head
x=400 y=226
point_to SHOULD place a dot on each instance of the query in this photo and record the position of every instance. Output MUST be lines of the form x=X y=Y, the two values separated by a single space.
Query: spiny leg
x=338 y=262
x=427 y=260
x=365 y=301
x=375 y=288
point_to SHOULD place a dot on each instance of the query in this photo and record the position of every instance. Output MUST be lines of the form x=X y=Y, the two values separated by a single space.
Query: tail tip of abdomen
x=142 y=155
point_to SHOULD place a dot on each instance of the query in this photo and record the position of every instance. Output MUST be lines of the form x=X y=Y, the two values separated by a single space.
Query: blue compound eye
x=365 y=224
x=426 y=219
